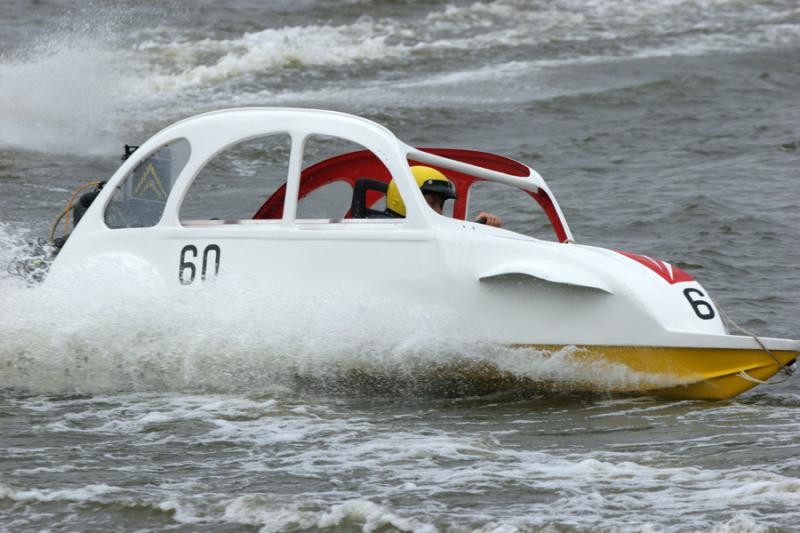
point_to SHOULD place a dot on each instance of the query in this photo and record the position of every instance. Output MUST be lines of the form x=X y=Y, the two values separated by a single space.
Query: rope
x=69 y=207
x=744 y=375
x=785 y=369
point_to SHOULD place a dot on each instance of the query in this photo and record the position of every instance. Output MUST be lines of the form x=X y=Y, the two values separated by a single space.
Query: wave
x=84 y=86
x=274 y=49
x=642 y=496
x=582 y=32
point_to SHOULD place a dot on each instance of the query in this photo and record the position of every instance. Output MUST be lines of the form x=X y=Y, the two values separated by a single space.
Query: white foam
x=405 y=469
x=268 y=513
x=594 y=492
x=272 y=513
x=44 y=470
x=614 y=28
x=741 y=523
x=372 y=515
x=62 y=93
x=13 y=245
x=79 y=494
x=182 y=513
x=274 y=49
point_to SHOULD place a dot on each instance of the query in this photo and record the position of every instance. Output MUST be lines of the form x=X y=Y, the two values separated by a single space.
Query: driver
x=436 y=189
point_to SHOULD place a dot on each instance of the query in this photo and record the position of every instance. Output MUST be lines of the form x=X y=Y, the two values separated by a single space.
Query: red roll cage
x=352 y=166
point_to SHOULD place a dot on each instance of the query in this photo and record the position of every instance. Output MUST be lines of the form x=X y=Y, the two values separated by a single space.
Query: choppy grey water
x=670 y=128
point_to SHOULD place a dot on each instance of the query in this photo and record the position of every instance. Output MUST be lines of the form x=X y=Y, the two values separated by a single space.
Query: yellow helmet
x=429 y=180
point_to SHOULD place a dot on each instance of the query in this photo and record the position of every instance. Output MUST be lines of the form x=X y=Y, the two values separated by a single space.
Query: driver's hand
x=489 y=219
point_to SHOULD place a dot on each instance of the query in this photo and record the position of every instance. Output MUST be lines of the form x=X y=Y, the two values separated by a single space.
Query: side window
x=238 y=180
x=332 y=168
x=139 y=201
x=517 y=209
x=330 y=201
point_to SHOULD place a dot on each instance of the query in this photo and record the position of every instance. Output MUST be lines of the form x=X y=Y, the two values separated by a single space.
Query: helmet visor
x=441 y=187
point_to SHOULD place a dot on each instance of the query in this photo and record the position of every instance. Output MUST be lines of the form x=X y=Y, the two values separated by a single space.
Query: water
x=668 y=128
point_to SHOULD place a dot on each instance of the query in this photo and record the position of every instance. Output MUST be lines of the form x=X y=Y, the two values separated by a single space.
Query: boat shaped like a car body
x=614 y=307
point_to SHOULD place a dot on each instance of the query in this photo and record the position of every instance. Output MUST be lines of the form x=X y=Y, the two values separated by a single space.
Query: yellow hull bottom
x=675 y=373
x=701 y=373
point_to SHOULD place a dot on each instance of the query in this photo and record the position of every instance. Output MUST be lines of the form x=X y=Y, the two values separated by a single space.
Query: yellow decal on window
x=149 y=181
